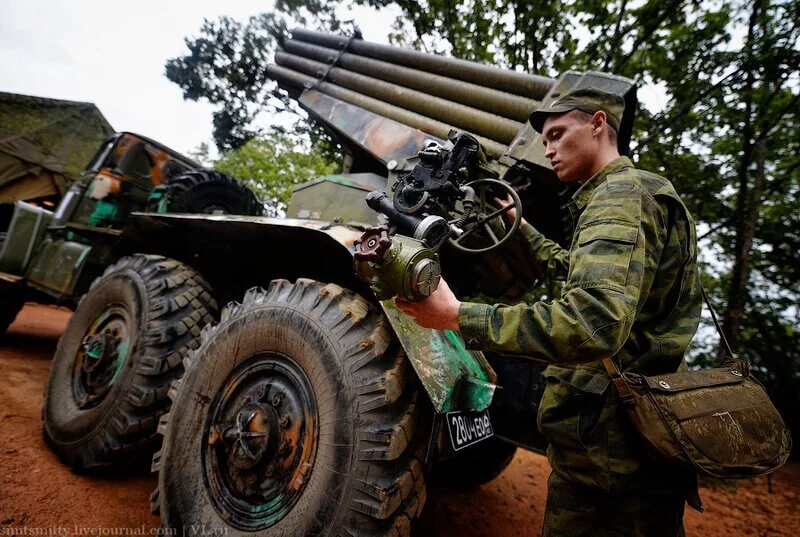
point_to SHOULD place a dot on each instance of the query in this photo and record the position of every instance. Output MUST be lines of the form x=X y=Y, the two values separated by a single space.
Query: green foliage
x=226 y=65
x=271 y=165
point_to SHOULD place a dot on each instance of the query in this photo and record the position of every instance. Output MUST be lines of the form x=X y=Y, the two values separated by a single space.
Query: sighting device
x=448 y=197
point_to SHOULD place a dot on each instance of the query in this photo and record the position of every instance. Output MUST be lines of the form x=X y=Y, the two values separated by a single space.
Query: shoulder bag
x=718 y=421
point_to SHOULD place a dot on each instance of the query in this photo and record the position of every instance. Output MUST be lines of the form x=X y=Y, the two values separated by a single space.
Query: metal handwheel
x=484 y=227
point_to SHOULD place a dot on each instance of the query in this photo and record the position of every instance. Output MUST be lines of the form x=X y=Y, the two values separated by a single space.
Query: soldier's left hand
x=439 y=311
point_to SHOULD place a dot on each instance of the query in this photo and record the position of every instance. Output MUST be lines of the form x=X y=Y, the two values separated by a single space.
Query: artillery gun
x=313 y=406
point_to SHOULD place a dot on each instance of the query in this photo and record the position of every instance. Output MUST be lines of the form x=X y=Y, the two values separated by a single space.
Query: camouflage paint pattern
x=453 y=377
x=632 y=293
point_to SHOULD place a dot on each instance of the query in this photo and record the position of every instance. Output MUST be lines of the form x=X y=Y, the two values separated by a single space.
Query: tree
x=226 y=65
x=271 y=165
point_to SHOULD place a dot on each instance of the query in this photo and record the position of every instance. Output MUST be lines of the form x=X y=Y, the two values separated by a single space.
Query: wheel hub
x=249 y=438
x=98 y=362
x=260 y=441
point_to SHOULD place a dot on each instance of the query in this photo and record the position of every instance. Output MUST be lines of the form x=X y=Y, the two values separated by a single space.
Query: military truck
x=312 y=406
x=53 y=258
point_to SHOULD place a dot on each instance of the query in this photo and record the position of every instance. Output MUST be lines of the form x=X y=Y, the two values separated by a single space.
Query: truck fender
x=264 y=249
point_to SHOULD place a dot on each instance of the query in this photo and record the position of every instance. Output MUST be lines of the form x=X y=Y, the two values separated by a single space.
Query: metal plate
x=468 y=428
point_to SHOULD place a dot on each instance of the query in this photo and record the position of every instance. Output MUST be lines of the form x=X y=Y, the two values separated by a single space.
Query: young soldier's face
x=569 y=146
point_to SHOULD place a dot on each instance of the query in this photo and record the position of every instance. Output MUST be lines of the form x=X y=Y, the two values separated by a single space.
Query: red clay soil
x=39 y=496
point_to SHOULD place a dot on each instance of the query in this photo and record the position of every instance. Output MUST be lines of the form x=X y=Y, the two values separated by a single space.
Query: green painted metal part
x=58 y=264
x=28 y=224
x=337 y=198
x=453 y=377
x=158 y=198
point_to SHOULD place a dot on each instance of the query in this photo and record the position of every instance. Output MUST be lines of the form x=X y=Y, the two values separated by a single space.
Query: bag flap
x=732 y=373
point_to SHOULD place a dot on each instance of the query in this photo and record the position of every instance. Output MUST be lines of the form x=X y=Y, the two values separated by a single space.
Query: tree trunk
x=615 y=41
x=747 y=200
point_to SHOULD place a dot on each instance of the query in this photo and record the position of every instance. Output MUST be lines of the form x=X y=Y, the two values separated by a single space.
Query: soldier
x=631 y=293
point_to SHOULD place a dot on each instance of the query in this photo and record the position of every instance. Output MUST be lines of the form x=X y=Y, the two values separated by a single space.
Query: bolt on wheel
x=99 y=359
x=260 y=441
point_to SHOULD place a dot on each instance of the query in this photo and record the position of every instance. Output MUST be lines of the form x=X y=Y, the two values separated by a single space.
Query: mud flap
x=454 y=378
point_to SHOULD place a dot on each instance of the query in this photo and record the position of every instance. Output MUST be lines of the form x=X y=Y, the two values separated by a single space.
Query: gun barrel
x=490 y=100
x=527 y=85
x=464 y=117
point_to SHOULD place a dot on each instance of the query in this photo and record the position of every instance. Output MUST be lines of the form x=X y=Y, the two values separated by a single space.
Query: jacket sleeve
x=619 y=239
x=549 y=257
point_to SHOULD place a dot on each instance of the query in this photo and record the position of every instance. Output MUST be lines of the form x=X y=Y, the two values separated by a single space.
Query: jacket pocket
x=573 y=419
x=602 y=255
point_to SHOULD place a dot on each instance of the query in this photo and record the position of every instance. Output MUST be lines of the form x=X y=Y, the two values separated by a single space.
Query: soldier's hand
x=511 y=214
x=439 y=311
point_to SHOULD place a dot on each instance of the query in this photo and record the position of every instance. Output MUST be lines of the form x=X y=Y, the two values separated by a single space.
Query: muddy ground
x=39 y=496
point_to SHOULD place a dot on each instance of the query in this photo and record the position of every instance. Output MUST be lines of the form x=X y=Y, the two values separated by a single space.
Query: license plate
x=468 y=428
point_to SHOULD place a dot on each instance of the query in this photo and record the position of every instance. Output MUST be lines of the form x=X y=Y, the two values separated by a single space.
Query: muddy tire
x=297 y=415
x=11 y=302
x=121 y=349
x=203 y=191
x=474 y=466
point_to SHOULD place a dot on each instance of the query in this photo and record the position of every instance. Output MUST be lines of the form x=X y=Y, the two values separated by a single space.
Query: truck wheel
x=11 y=301
x=121 y=349
x=474 y=466
x=203 y=191
x=296 y=415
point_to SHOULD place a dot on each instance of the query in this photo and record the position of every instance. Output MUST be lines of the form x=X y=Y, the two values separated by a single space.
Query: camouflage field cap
x=589 y=100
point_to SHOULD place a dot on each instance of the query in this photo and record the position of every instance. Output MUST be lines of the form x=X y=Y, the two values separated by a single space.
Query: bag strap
x=716 y=322
x=623 y=389
x=619 y=380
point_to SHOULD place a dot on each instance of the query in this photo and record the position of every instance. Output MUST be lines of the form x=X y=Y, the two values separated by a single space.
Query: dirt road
x=39 y=496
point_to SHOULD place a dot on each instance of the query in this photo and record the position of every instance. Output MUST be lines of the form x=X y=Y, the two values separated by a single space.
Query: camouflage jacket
x=632 y=293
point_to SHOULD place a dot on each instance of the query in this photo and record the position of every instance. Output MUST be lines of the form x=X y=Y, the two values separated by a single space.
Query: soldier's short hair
x=612 y=132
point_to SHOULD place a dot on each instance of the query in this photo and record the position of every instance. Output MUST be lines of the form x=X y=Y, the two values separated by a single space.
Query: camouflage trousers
x=576 y=510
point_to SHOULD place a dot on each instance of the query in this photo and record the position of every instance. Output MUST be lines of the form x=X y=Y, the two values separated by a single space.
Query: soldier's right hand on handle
x=511 y=214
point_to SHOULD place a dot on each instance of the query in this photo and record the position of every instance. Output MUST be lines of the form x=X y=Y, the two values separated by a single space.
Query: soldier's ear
x=599 y=119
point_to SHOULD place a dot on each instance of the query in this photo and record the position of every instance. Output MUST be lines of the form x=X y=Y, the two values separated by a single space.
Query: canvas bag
x=718 y=421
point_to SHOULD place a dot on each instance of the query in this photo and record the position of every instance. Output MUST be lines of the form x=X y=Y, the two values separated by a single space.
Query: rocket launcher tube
x=464 y=117
x=486 y=99
x=527 y=85
x=418 y=121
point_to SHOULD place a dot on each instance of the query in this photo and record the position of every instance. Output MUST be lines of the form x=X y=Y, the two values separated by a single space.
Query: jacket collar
x=582 y=196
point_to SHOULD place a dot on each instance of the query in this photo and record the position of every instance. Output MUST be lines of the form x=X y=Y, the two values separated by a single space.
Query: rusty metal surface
x=385 y=138
x=531 y=86
x=453 y=377
x=487 y=124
